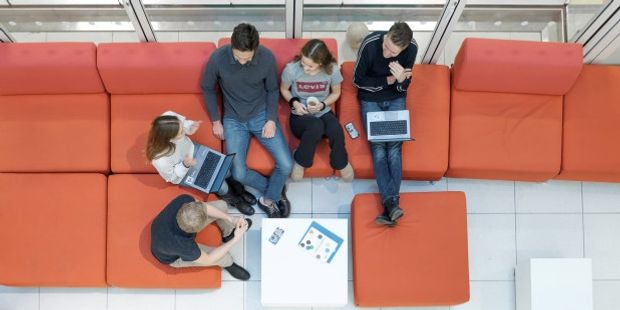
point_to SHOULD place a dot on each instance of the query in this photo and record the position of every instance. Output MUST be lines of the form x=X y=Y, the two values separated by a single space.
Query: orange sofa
x=428 y=101
x=421 y=262
x=506 y=108
x=54 y=131
x=258 y=158
x=591 y=126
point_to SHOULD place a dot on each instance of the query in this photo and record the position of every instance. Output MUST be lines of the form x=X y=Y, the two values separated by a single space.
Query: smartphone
x=351 y=130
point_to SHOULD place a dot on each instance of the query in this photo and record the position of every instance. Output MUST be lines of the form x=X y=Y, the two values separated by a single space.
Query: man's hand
x=194 y=127
x=269 y=130
x=398 y=71
x=300 y=109
x=218 y=130
x=240 y=228
x=391 y=80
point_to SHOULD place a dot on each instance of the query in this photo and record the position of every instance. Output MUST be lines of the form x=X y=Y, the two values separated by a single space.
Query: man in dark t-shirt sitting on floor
x=173 y=234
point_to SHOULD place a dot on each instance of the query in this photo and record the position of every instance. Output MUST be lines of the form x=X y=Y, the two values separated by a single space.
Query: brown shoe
x=347 y=173
x=298 y=172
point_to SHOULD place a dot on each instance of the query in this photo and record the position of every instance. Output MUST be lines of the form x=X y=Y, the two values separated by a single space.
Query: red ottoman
x=422 y=261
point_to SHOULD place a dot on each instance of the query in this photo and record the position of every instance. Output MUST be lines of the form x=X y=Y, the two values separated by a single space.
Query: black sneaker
x=284 y=205
x=238 y=272
x=393 y=210
x=384 y=219
x=240 y=191
x=271 y=210
x=238 y=203
x=232 y=234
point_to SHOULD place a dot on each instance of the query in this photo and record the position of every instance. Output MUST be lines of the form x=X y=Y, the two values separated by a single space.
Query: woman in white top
x=170 y=151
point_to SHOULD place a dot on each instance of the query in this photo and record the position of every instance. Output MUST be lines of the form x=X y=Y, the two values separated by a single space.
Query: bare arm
x=334 y=95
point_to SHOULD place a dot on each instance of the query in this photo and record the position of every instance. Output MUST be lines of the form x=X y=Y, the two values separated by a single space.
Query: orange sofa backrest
x=49 y=68
x=153 y=68
x=523 y=67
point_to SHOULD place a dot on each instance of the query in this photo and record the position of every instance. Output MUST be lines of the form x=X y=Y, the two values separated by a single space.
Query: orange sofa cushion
x=428 y=100
x=258 y=158
x=153 y=68
x=132 y=116
x=53 y=229
x=134 y=200
x=49 y=68
x=54 y=133
x=591 y=151
x=505 y=136
x=509 y=66
x=421 y=262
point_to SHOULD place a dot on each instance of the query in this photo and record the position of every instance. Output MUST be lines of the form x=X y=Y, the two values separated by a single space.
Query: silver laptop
x=210 y=170
x=388 y=126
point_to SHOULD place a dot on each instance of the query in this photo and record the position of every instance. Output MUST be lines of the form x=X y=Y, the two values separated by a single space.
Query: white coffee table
x=291 y=277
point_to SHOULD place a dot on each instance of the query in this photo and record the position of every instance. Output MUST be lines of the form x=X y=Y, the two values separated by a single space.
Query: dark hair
x=164 y=128
x=244 y=38
x=400 y=34
x=317 y=50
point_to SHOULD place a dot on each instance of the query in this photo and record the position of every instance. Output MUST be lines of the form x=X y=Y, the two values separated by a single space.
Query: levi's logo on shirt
x=311 y=87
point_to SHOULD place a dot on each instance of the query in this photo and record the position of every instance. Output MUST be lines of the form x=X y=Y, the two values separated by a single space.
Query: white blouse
x=171 y=167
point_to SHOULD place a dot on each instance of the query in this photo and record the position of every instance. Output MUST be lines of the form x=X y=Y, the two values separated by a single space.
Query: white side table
x=292 y=277
x=554 y=284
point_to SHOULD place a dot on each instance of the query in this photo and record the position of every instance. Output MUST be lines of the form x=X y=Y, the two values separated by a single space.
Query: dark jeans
x=310 y=130
x=386 y=156
x=237 y=134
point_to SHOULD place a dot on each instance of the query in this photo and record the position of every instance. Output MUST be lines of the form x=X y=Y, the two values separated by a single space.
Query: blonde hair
x=356 y=32
x=192 y=217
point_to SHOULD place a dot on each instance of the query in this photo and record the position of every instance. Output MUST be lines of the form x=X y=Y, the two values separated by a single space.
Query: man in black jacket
x=382 y=75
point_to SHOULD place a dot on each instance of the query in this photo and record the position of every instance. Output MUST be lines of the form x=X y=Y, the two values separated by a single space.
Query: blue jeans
x=386 y=156
x=237 y=139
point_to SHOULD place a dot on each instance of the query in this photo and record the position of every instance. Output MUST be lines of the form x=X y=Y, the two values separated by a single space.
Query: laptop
x=388 y=126
x=210 y=170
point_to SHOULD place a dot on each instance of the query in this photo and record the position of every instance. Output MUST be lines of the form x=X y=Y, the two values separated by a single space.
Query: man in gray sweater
x=246 y=74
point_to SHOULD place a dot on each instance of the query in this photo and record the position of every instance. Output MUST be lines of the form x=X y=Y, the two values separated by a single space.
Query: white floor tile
x=330 y=195
x=17 y=298
x=229 y=296
x=606 y=295
x=300 y=195
x=73 y=298
x=548 y=197
x=601 y=197
x=486 y=196
x=252 y=298
x=21 y=37
x=97 y=37
x=492 y=252
x=490 y=295
x=602 y=242
x=135 y=299
x=237 y=253
x=549 y=235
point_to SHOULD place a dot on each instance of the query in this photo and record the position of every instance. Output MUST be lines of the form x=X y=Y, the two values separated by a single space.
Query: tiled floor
x=508 y=222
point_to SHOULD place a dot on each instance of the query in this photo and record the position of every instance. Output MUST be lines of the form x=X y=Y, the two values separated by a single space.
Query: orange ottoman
x=53 y=229
x=134 y=200
x=422 y=261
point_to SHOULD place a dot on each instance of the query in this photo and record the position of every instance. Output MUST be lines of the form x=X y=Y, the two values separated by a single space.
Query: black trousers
x=310 y=130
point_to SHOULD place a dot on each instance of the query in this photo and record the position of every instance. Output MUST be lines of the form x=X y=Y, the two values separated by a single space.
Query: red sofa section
x=146 y=80
x=591 y=151
x=428 y=101
x=505 y=122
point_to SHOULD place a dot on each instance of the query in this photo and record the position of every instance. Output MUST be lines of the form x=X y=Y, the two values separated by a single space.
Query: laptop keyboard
x=388 y=128
x=207 y=170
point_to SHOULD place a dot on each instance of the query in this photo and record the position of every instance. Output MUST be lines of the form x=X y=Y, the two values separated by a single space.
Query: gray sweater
x=248 y=89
